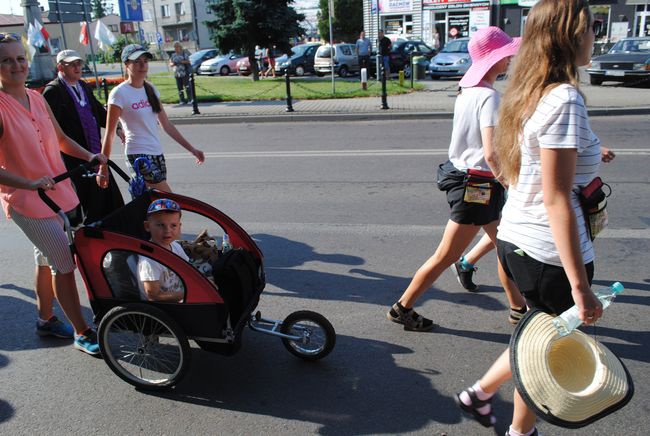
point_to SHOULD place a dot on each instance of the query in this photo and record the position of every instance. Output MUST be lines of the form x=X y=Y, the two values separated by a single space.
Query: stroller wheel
x=315 y=335
x=144 y=346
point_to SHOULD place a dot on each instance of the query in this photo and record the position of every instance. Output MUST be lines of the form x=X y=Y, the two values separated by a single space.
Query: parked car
x=299 y=61
x=223 y=65
x=196 y=59
x=452 y=61
x=401 y=52
x=343 y=55
x=627 y=61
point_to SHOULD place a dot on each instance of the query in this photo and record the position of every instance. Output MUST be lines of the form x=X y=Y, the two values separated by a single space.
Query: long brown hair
x=547 y=57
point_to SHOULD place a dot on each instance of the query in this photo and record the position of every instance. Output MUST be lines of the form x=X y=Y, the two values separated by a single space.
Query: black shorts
x=474 y=213
x=545 y=287
x=157 y=171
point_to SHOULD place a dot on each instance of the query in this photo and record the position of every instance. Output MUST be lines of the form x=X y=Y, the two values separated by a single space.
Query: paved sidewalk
x=437 y=101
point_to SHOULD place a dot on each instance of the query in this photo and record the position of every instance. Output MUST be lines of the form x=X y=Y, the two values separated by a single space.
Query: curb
x=361 y=116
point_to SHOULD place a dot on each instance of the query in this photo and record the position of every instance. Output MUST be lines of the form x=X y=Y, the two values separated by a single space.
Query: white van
x=345 y=59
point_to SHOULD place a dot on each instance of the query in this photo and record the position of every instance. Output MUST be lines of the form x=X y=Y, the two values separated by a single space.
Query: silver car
x=452 y=61
x=345 y=60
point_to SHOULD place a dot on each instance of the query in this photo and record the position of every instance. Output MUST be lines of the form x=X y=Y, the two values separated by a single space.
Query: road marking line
x=353 y=153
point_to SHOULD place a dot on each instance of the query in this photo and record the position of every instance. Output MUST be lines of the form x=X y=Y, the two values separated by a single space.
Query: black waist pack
x=449 y=176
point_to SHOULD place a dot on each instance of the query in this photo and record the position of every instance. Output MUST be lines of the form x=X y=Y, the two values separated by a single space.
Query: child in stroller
x=164 y=224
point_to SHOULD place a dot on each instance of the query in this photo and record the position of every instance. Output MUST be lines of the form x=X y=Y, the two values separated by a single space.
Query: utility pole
x=330 y=3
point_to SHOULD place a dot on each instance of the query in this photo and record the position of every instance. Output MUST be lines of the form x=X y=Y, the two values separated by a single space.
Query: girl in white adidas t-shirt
x=136 y=104
x=546 y=149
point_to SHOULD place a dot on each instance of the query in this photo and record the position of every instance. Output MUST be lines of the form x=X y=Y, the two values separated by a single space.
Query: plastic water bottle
x=226 y=246
x=569 y=320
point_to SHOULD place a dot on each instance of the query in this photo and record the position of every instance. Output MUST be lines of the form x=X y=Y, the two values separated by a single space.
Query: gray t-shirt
x=363 y=47
x=476 y=108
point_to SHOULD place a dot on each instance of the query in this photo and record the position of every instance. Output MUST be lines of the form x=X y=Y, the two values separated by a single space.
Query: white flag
x=35 y=37
x=104 y=36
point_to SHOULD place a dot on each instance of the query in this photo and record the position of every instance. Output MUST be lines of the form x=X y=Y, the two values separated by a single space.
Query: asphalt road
x=345 y=213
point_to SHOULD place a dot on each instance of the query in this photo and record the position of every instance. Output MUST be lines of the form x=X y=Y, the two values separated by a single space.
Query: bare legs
x=482 y=247
x=64 y=287
x=161 y=186
x=455 y=240
x=523 y=419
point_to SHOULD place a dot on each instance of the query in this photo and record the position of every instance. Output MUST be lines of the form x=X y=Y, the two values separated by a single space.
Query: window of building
x=208 y=6
x=179 y=8
x=184 y=34
x=164 y=9
x=113 y=28
x=146 y=15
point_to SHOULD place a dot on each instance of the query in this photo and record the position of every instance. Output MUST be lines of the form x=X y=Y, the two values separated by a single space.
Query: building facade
x=437 y=21
x=166 y=21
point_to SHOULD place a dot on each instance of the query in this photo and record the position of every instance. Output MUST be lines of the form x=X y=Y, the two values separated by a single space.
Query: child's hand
x=200 y=157
x=606 y=155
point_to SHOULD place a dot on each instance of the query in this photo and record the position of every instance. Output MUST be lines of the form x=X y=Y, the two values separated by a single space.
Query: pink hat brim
x=480 y=68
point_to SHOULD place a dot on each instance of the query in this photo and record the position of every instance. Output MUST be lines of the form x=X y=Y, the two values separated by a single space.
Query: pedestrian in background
x=270 y=59
x=474 y=204
x=546 y=150
x=81 y=117
x=384 y=51
x=363 y=49
x=136 y=103
x=182 y=66
x=31 y=142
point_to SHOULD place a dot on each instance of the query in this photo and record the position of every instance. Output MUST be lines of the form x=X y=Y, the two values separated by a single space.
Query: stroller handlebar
x=85 y=167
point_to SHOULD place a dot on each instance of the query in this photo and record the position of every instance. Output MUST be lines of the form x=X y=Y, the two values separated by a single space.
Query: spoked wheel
x=316 y=335
x=144 y=346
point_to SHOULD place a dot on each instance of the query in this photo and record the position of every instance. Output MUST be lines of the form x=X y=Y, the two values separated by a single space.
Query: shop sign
x=527 y=3
x=454 y=4
x=458 y=26
x=388 y=6
x=478 y=19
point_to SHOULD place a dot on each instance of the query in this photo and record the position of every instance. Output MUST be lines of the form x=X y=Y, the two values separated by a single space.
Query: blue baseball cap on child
x=133 y=51
x=163 y=205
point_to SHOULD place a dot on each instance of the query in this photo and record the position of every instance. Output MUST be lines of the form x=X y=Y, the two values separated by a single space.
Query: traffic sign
x=68 y=11
x=159 y=38
x=130 y=10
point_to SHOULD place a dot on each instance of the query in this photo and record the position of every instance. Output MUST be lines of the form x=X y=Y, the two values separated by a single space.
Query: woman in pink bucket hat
x=473 y=193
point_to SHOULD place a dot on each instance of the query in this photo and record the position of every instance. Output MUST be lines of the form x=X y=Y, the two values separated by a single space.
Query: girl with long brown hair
x=545 y=149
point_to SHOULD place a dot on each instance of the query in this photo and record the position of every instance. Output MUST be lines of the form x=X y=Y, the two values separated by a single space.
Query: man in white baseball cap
x=68 y=56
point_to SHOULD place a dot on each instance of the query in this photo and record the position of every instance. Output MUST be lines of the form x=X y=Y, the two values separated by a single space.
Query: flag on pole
x=104 y=36
x=34 y=37
x=40 y=29
x=84 y=37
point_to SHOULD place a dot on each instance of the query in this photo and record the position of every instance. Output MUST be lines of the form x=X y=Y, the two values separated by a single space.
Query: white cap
x=67 y=56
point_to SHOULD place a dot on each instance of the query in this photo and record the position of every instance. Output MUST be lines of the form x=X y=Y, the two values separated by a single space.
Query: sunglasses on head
x=9 y=37
x=597 y=27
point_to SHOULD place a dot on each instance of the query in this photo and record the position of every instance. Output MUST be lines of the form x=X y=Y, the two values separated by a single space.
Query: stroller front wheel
x=316 y=335
x=143 y=346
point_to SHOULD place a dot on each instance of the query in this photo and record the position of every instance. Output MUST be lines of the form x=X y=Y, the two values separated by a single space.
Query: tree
x=98 y=9
x=347 y=21
x=240 y=25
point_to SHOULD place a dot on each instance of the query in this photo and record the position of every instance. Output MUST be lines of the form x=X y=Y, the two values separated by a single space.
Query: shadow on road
x=283 y=255
x=358 y=389
x=18 y=319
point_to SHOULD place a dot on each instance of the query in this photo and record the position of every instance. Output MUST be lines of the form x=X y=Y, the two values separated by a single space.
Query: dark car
x=200 y=56
x=401 y=52
x=627 y=61
x=299 y=62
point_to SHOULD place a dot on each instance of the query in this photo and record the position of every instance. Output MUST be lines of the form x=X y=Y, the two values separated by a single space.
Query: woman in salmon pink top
x=30 y=145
